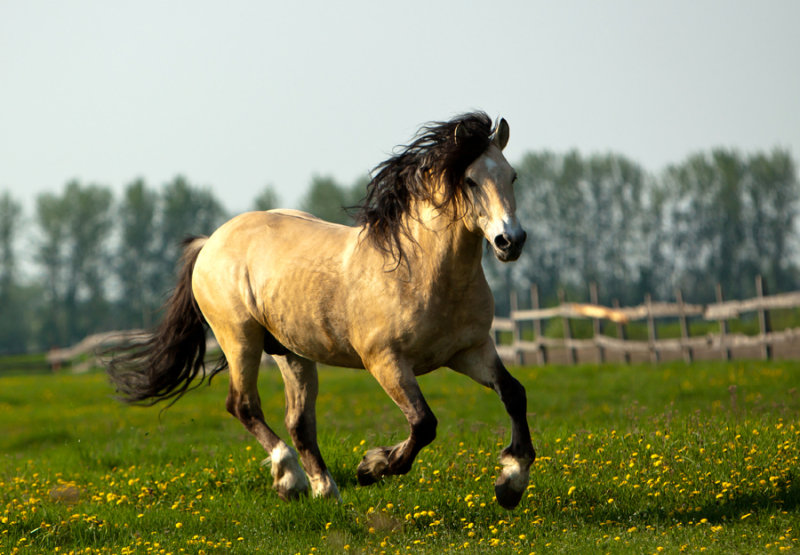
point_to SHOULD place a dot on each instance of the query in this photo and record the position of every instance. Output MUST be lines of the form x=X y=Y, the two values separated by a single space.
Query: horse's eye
x=470 y=182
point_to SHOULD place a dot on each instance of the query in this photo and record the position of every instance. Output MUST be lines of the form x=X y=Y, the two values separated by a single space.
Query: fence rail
x=721 y=344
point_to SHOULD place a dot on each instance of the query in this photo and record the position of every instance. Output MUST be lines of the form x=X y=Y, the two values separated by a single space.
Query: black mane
x=395 y=183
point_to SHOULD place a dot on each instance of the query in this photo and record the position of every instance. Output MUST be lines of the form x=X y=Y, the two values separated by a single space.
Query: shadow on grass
x=782 y=496
x=38 y=440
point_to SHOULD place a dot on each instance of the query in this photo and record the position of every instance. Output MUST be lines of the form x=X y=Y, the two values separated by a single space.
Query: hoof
x=512 y=482
x=289 y=494
x=507 y=496
x=373 y=466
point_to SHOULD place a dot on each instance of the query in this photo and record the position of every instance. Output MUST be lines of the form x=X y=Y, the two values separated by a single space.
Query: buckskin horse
x=400 y=294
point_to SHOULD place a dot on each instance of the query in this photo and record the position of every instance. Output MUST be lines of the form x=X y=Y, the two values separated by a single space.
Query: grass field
x=632 y=459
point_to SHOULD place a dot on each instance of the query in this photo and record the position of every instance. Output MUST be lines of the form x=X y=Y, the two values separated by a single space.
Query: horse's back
x=279 y=235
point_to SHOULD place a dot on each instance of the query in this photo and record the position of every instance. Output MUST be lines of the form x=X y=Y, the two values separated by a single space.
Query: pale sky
x=239 y=94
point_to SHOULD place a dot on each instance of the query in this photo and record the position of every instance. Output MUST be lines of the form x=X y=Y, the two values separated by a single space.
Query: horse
x=400 y=294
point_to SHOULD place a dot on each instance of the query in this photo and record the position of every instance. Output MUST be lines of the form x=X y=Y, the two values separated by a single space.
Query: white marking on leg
x=287 y=474
x=516 y=476
x=324 y=486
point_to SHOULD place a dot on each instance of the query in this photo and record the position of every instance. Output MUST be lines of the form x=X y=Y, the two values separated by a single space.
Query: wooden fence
x=600 y=348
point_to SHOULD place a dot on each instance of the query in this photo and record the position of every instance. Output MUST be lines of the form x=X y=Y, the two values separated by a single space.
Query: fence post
x=725 y=350
x=571 y=354
x=593 y=297
x=622 y=335
x=688 y=354
x=652 y=333
x=763 y=320
x=516 y=332
x=541 y=349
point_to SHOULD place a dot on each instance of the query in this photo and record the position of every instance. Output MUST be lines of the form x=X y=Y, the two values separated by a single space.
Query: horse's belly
x=303 y=313
x=317 y=344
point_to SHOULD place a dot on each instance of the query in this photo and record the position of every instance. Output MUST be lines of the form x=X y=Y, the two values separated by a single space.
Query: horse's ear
x=460 y=133
x=501 y=134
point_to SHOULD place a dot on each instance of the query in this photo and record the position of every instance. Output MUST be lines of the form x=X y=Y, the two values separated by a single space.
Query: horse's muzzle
x=508 y=245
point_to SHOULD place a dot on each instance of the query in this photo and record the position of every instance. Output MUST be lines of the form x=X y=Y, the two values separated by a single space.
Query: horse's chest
x=440 y=332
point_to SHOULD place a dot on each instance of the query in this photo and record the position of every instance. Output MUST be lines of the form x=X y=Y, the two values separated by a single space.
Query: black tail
x=163 y=366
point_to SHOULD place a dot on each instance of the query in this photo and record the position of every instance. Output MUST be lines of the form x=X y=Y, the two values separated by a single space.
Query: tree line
x=102 y=263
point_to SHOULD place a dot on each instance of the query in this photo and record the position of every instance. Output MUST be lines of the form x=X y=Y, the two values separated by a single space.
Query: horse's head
x=491 y=210
x=457 y=169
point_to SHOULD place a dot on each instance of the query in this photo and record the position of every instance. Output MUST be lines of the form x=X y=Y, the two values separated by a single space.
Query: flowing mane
x=435 y=153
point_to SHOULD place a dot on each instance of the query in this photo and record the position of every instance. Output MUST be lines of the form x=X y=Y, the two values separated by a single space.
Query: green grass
x=632 y=459
x=15 y=365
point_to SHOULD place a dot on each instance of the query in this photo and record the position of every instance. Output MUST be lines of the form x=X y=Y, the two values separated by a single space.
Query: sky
x=238 y=95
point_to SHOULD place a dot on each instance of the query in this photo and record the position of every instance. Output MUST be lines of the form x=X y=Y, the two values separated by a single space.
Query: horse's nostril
x=502 y=241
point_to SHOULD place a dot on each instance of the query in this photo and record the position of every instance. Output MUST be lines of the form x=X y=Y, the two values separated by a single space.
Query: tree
x=267 y=199
x=51 y=217
x=10 y=212
x=707 y=210
x=611 y=225
x=75 y=228
x=89 y=223
x=186 y=210
x=137 y=257
x=13 y=319
x=657 y=269
x=772 y=193
x=328 y=200
x=89 y=227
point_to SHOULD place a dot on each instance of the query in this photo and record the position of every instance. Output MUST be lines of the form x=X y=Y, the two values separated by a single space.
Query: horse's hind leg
x=399 y=382
x=242 y=348
x=300 y=379
x=485 y=367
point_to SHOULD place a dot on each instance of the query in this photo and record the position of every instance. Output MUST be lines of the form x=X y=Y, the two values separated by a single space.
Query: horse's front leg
x=399 y=382
x=483 y=365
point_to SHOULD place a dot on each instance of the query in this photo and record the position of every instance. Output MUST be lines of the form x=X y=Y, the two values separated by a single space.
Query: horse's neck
x=443 y=252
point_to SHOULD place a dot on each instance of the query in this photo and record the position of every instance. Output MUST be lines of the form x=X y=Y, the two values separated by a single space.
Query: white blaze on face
x=495 y=197
x=506 y=224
